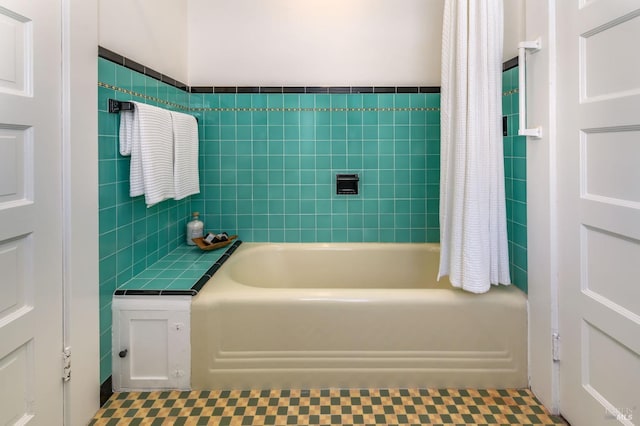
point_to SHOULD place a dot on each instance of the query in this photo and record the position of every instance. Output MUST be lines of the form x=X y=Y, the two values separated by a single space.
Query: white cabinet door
x=151 y=343
x=31 y=386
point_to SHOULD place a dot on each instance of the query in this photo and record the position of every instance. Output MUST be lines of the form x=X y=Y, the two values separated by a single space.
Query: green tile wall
x=269 y=163
x=131 y=236
x=515 y=171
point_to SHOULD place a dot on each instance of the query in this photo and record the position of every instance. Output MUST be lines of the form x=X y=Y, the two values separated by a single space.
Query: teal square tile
x=385 y=117
x=338 y=118
x=107 y=148
x=106 y=71
x=104 y=95
x=355 y=235
x=370 y=117
x=370 y=100
x=418 y=132
x=275 y=100
x=519 y=168
x=339 y=221
x=506 y=105
x=291 y=118
x=418 y=118
x=323 y=101
x=520 y=257
x=520 y=279
x=432 y=100
x=107 y=123
x=107 y=267
x=276 y=235
x=520 y=147
x=243 y=100
x=308 y=206
x=138 y=83
x=182 y=283
x=308 y=235
x=387 y=235
x=519 y=190
x=370 y=133
x=515 y=103
x=105 y=364
x=519 y=235
x=292 y=235
x=124 y=236
x=519 y=212
x=354 y=100
x=107 y=220
x=107 y=244
x=403 y=100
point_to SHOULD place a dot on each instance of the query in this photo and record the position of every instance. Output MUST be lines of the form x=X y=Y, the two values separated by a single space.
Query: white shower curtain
x=473 y=225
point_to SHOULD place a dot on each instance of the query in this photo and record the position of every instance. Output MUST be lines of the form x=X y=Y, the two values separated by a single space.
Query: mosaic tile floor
x=326 y=407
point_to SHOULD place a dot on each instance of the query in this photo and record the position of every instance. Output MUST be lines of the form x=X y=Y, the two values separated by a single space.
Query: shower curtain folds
x=473 y=226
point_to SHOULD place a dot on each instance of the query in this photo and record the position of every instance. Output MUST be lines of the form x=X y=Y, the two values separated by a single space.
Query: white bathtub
x=352 y=316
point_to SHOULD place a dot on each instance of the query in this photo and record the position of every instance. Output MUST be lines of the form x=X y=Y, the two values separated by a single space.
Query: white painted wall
x=323 y=42
x=287 y=42
x=151 y=32
x=314 y=42
x=514 y=27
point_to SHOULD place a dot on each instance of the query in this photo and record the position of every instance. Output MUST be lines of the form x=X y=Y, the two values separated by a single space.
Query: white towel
x=185 y=149
x=473 y=229
x=152 y=147
x=130 y=146
x=126 y=132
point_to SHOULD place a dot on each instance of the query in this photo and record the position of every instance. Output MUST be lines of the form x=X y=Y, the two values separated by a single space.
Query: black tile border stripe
x=195 y=288
x=133 y=65
x=511 y=63
x=314 y=89
x=214 y=268
x=106 y=390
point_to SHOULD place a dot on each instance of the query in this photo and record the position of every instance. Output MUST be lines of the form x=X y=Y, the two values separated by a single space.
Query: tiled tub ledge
x=182 y=272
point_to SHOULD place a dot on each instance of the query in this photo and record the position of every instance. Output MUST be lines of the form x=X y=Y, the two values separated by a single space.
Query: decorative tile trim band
x=142 y=95
x=510 y=92
x=385 y=109
x=264 y=109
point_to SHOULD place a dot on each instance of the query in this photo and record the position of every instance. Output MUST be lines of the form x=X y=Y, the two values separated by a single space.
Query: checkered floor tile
x=327 y=407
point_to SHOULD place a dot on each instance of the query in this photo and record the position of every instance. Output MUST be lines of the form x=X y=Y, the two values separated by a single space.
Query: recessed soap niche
x=347 y=184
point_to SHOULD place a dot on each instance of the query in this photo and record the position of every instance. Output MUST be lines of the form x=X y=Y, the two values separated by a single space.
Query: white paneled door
x=599 y=210
x=30 y=213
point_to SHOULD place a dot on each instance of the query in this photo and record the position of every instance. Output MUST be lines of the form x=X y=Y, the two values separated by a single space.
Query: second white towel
x=156 y=152
x=185 y=149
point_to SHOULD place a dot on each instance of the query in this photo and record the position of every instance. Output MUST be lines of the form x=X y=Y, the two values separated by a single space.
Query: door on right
x=598 y=175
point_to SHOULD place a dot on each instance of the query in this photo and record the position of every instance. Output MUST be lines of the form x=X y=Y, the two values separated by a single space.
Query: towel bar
x=117 y=106
x=534 y=45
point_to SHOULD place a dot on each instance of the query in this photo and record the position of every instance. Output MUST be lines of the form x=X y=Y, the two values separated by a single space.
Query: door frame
x=80 y=207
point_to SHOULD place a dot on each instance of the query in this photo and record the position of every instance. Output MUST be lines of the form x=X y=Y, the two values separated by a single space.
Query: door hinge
x=555 y=346
x=66 y=365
